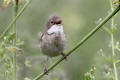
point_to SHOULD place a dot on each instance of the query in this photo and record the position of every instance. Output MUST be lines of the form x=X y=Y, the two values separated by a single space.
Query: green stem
x=113 y=54
x=118 y=61
x=117 y=48
x=80 y=42
x=14 y=66
x=14 y=20
x=112 y=41
x=14 y=42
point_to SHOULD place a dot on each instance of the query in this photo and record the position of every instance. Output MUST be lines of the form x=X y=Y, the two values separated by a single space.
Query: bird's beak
x=59 y=25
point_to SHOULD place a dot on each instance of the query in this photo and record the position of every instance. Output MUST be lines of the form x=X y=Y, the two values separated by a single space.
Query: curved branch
x=80 y=42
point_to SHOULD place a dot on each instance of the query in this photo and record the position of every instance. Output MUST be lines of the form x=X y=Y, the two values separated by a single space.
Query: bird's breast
x=53 y=42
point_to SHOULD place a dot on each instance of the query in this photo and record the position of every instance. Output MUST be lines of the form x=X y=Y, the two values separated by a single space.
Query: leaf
x=12 y=49
x=28 y=63
x=91 y=74
x=6 y=3
x=19 y=43
x=107 y=30
x=21 y=1
x=116 y=2
x=10 y=37
x=2 y=51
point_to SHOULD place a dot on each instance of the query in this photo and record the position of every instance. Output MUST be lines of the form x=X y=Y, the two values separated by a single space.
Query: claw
x=45 y=71
x=64 y=56
x=45 y=67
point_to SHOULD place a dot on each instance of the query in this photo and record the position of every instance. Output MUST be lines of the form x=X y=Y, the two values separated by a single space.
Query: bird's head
x=53 y=20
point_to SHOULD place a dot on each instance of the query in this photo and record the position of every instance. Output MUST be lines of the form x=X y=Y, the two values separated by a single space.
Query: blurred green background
x=79 y=18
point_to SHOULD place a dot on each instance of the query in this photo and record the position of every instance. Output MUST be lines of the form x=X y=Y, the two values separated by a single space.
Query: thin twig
x=112 y=40
x=118 y=61
x=80 y=42
x=117 y=48
x=13 y=21
x=14 y=42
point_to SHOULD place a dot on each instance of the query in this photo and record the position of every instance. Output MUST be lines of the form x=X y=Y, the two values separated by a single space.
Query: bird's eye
x=52 y=22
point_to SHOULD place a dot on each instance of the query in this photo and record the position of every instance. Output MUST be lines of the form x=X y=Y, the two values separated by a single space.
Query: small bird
x=52 y=42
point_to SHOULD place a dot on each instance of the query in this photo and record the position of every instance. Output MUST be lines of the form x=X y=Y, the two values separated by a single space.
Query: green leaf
x=116 y=2
x=28 y=63
x=91 y=74
x=2 y=51
x=10 y=37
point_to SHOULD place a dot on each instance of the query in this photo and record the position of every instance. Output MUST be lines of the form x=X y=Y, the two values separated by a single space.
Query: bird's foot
x=64 y=56
x=45 y=67
x=45 y=71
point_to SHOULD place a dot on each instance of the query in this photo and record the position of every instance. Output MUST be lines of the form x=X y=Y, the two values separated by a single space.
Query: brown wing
x=41 y=36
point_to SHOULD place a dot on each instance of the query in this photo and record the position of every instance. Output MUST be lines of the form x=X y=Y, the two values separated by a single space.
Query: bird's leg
x=45 y=70
x=45 y=67
x=64 y=55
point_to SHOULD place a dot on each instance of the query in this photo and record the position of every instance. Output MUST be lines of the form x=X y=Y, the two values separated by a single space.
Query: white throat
x=55 y=29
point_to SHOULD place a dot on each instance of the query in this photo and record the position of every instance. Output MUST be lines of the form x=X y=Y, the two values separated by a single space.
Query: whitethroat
x=52 y=42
